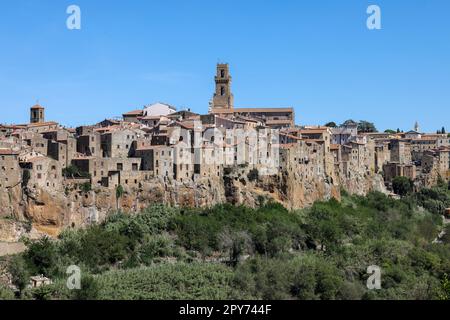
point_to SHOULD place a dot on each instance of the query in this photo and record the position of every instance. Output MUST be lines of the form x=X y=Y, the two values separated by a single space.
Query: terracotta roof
x=41 y=124
x=287 y=145
x=8 y=152
x=313 y=131
x=334 y=147
x=35 y=158
x=278 y=121
x=289 y=136
x=37 y=106
x=134 y=113
x=270 y=110
x=150 y=118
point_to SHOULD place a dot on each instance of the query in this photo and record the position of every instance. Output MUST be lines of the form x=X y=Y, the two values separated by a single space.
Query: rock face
x=48 y=212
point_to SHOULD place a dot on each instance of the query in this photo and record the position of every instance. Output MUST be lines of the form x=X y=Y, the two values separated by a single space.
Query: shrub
x=402 y=186
x=253 y=175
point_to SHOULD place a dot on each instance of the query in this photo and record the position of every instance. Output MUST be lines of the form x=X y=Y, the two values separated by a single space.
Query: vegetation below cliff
x=229 y=252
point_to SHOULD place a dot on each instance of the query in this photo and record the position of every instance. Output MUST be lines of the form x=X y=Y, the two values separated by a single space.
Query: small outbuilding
x=39 y=281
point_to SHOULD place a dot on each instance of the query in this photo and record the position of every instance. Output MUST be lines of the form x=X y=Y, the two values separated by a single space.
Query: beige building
x=10 y=174
x=44 y=172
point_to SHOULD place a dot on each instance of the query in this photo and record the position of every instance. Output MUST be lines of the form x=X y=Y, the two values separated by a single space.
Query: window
x=39 y=175
x=222 y=73
x=119 y=167
x=222 y=91
x=135 y=167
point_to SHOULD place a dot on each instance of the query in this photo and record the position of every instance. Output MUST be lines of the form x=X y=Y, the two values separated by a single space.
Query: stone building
x=44 y=172
x=400 y=151
x=90 y=144
x=392 y=170
x=382 y=154
x=118 y=143
x=36 y=142
x=10 y=174
x=436 y=164
x=345 y=133
x=324 y=135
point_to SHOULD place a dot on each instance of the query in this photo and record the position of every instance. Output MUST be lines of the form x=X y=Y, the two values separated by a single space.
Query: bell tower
x=37 y=114
x=223 y=100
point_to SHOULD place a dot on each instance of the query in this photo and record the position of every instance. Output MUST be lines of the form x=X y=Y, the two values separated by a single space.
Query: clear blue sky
x=316 y=55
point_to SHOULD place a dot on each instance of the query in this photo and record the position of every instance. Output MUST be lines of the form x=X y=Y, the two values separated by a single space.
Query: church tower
x=37 y=114
x=223 y=100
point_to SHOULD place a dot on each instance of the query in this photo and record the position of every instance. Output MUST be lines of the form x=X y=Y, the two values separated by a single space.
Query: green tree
x=86 y=187
x=6 y=293
x=366 y=127
x=402 y=186
x=253 y=175
x=349 y=122
x=42 y=255
x=331 y=124
x=90 y=289
x=19 y=272
x=390 y=131
x=445 y=288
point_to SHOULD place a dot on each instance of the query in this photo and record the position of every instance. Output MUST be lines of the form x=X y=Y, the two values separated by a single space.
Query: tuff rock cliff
x=34 y=212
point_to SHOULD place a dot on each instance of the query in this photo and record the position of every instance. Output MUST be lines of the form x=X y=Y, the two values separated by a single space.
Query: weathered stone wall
x=50 y=213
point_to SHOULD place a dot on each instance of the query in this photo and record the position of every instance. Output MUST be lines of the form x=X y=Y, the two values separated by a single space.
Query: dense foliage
x=322 y=252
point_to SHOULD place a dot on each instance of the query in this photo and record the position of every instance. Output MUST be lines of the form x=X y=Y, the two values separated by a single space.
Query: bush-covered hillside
x=229 y=252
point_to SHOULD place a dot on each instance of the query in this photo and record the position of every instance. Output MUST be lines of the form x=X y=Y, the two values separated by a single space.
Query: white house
x=158 y=109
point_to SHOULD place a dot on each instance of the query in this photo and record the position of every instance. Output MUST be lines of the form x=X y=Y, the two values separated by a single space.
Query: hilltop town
x=53 y=177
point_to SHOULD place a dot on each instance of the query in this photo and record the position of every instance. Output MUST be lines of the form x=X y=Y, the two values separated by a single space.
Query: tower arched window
x=222 y=91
